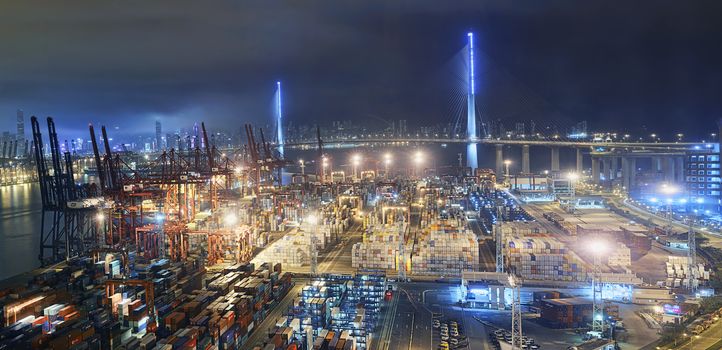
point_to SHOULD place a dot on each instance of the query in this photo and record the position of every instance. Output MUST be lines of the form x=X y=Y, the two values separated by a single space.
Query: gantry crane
x=68 y=220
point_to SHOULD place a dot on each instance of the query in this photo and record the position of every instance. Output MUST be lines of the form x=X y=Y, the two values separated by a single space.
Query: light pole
x=573 y=177
x=324 y=165
x=302 y=164
x=230 y=219
x=507 y=162
x=356 y=161
x=669 y=190
x=100 y=218
x=418 y=160
x=598 y=248
x=312 y=220
x=387 y=163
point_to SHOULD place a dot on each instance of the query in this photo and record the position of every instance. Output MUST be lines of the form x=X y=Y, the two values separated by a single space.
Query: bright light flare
x=598 y=247
x=230 y=219
x=312 y=219
x=388 y=158
x=669 y=189
x=418 y=157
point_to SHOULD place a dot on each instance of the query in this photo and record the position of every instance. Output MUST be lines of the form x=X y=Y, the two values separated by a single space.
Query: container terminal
x=204 y=248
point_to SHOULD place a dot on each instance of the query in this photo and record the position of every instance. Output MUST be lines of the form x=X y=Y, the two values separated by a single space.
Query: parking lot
x=449 y=333
x=503 y=336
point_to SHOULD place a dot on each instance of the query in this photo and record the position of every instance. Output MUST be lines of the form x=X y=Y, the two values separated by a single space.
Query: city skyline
x=389 y=65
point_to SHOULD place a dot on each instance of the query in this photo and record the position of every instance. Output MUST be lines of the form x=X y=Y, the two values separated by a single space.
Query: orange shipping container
x=40 y=320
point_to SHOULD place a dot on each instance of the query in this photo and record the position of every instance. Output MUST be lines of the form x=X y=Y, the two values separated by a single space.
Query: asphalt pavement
x=260 y=331
x=706 y=340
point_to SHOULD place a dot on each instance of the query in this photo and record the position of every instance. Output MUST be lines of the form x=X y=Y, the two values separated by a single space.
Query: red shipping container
x=230 y=317
x=277 y=340
x=66 y=310
x=40 y=320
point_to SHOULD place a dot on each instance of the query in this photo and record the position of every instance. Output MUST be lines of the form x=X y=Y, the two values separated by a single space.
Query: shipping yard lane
x=260 y=333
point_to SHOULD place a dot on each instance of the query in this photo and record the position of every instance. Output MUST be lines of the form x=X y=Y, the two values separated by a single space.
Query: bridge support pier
x=555 y=159
x=472 y=157
x=657 y=164
x=629 y=166
x=679 y=169
x=669 y=169
x=607 y=163
x=580 y=162
x=499 y=162
x=525 y=168
x=595 y=170
x=614 y=169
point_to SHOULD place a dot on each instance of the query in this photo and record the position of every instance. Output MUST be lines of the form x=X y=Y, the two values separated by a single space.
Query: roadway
x=669 y=146
x=411 y=323
x=260 y=331
x=707 y=340
x=487 y=258
x=337 y=259
x=713 y=240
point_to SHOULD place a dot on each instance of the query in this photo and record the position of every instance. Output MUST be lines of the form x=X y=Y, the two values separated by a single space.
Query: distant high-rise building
x=402 y=127
x=195 y=136
x=519 y=128
x=7 y=144
x=532 y=128
x=158 y=138
x=20 y=137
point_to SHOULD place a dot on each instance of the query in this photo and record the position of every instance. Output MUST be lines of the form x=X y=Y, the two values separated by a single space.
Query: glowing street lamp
x=598 y=248
x=356 y=161
x=324 y=164
x=418 y=157
x=230 y=219
x=573 y=177
x=311 y=219
x=507 y=162
x=387 y=163
x=669 y=190
x=418 y=160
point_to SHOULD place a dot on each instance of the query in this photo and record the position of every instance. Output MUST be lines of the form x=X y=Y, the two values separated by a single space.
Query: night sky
x=646 y=66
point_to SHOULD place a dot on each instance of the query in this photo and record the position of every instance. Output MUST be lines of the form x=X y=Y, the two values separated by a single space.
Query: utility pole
x=313 y=221
x=597 y=302
x=499 y=237
x=692 y=255
x=402 y=251
x=516 y=332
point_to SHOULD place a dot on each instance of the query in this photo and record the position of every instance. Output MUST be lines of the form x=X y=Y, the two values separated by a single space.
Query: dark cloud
x=128 y=63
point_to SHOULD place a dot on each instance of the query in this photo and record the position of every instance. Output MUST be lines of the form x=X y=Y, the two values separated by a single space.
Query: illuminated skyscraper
x=20 y=137
x=158 y=138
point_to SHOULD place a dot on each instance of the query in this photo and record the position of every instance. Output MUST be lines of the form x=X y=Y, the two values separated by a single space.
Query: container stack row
x=445 y=248
x=544 y=258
